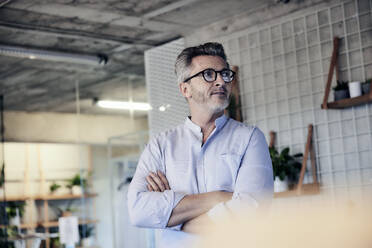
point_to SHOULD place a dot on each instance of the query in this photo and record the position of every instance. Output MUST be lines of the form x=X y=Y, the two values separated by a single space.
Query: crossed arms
x=153 y=204
x=191 y=209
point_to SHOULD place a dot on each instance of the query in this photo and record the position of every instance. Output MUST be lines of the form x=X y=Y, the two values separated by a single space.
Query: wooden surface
x=330 y=72
x=349 y=102
x=272 y=139
x=49 y=224
x=306 y=189
x=47 y=197
x=235 y=94
x=344 y=103
x=64 y=197
x=55 y=223
x=302 y=189
x=14 y=198
x=308 y=147
x=24 y=226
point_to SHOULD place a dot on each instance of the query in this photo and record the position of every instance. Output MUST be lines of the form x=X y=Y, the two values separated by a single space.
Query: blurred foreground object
x=320 y=227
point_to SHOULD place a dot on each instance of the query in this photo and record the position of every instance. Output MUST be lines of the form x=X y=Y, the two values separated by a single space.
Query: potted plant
x=86 y=235
x=286 y=168
x=14 y=211
x=54 y=188
x=341 y=90
x=366 y=86
x=76 y=185
x=5 y=234
x=64 y=211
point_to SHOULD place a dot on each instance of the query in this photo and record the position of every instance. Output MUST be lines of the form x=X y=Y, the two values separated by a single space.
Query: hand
x=157 y=182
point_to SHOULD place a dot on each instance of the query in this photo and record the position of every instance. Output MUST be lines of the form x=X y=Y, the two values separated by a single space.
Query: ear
x=185 y=89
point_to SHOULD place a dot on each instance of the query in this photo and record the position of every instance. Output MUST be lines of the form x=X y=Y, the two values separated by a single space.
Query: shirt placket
x=203 y=164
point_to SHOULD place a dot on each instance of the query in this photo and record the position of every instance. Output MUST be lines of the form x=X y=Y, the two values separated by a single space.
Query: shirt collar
x=219 y=122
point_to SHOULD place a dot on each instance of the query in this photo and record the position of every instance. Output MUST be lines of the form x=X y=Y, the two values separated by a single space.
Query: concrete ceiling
x=121 y=30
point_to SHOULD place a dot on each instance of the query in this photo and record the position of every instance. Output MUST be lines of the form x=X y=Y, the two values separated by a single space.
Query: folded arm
x=253 y=185
x=153 y=204
x=191 y=206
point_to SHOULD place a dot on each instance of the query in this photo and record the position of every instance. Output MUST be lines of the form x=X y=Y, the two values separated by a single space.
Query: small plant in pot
x=15 y=211
x=341 y=90
x=54 y=188
x=286 y=169
x=366 y=86
x=5 y=234
x=77 y=185
x=86 y=233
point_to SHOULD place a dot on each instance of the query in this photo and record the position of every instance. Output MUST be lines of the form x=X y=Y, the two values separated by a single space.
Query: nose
x=219 y=81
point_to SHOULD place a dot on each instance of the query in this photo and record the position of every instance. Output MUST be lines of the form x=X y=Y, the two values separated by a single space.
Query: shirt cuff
x=177 y=198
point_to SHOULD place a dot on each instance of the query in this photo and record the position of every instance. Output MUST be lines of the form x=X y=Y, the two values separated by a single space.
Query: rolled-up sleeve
x=150 y=209
x=254 y=182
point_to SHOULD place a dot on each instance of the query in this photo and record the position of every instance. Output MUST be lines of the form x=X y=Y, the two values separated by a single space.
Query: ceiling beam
x=99 y=16
x=74 y=34
x=168 y=8
x=4 y=2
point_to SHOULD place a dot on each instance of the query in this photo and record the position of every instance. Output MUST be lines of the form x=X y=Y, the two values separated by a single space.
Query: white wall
x=101 y=185
x=162 y=87
x=68 y=128
x=54 y=162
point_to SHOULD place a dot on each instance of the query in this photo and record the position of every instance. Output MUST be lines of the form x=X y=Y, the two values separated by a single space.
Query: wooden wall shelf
x=14 y=198
x=44 y=198
x=55 y=223
x=350 y=102
x=64 y=197
x=302 y=189
x=49 y=224
x=344 y=103
x=24 y=226
x=48 y=197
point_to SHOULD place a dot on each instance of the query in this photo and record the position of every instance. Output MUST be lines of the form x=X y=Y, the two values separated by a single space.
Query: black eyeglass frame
x=215 y=78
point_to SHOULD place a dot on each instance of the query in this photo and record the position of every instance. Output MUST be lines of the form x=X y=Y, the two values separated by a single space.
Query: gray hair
x=183 y=62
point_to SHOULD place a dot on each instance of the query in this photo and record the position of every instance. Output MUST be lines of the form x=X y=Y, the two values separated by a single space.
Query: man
x=209 y=166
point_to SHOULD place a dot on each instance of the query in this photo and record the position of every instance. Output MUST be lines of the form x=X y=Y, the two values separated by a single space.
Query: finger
x=149 y=188
x=158 y=181
x=164 y=180
x=152 y=183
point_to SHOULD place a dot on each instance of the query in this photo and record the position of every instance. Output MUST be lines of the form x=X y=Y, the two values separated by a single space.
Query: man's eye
x=226 y=74
x=209 y=73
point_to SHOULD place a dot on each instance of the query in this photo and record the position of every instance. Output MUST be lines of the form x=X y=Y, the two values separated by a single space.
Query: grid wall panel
x=162 y=87
x=283 y=72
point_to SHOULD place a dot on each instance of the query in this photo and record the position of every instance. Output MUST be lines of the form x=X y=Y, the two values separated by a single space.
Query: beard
x=214 y=103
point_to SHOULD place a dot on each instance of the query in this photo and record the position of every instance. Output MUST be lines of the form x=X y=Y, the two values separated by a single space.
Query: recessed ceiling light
x=141 y=106
x=30 y=53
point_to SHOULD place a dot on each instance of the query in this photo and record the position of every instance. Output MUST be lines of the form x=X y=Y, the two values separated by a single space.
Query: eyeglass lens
x=210 y=75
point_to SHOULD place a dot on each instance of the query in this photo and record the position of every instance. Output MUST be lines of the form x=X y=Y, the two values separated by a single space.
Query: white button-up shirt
x=235 y=158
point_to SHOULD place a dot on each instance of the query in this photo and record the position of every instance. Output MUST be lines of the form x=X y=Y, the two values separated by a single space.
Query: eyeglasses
x=210 y=75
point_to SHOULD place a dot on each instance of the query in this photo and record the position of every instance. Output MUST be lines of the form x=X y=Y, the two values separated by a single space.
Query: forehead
x=206 y=61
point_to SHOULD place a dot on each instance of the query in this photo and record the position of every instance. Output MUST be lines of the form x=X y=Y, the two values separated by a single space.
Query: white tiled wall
x=283 y=71
x=169 y=108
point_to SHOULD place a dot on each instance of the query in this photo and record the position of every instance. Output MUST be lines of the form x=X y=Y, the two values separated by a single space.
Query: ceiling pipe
x=3 y=3
x=23 y=52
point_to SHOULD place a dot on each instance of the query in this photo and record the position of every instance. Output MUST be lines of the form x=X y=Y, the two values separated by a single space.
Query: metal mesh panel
x=169 y=108
x=283 y=71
